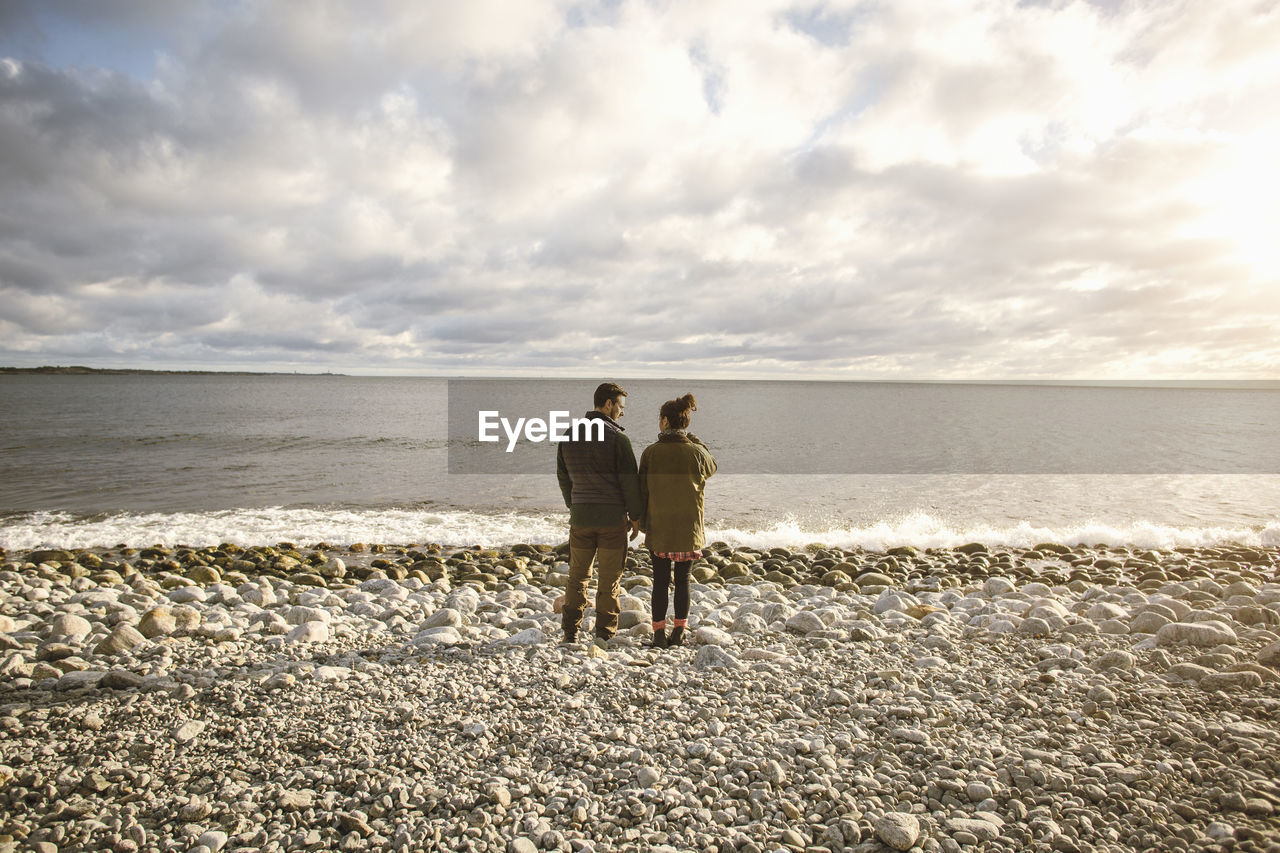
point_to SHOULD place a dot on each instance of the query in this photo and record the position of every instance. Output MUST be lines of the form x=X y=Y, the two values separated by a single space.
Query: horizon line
x=604 y=375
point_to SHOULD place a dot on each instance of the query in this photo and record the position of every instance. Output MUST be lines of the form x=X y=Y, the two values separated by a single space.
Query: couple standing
x=607 y=495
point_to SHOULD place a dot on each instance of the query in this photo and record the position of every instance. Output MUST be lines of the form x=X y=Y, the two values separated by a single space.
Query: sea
x=106 y=460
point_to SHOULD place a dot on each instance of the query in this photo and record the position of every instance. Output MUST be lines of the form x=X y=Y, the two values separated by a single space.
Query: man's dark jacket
x=598 y=478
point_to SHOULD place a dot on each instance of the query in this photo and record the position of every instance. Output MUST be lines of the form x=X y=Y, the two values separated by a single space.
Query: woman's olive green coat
x=673 y=473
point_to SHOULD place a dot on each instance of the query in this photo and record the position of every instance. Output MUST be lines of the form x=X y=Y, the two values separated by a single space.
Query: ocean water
x=102 y=460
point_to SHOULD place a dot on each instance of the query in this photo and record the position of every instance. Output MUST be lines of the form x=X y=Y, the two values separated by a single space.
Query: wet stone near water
x=419 y=698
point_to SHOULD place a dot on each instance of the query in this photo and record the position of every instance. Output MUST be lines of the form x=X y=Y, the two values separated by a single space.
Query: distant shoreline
x=78 y=370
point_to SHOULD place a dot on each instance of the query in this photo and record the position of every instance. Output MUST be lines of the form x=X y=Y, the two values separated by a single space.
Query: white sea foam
x=273 y=524
x=460 y=527
x=924 y=531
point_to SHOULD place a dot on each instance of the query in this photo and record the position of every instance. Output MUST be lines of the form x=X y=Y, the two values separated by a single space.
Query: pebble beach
x=418 y=697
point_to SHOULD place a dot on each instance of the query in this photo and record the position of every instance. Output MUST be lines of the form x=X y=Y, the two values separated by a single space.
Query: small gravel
x=1059 y=698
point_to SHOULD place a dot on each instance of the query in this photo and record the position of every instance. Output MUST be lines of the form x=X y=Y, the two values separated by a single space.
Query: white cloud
x=975 y=189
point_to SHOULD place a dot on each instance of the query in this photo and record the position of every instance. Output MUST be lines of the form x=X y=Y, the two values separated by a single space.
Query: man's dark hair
x=608 y=391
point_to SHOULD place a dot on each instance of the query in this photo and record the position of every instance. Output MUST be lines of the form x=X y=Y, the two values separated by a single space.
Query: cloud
x=982 y=189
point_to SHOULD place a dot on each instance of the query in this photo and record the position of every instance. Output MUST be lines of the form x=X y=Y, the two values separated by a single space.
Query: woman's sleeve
x=708 y=461
x=644 y=490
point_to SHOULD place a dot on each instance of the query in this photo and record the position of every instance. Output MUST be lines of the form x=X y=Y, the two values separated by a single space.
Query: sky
x=902 y=189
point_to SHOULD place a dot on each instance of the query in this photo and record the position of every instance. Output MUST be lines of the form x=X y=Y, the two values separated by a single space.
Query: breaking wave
x=398 y=526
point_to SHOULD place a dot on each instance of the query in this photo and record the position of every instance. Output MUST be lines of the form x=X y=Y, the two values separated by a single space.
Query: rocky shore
x=418 y=698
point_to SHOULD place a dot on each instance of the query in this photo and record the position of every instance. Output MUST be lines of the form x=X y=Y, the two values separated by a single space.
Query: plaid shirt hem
x=679 y=556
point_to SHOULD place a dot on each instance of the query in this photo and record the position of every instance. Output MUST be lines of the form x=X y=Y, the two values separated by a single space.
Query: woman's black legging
x=661 y=581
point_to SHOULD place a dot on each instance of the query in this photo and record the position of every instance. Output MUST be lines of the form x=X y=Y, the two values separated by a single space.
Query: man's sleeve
x=562 y=474
x=627 y=476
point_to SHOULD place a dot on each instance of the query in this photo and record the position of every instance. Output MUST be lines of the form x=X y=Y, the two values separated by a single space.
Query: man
x=602 y=490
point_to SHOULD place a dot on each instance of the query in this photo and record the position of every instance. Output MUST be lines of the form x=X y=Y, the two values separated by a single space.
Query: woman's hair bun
x=677 y=411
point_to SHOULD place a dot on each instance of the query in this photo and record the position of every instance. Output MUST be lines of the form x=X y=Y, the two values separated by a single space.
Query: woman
x=673 y=472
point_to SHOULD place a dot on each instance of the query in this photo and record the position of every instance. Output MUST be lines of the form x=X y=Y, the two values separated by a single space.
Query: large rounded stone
x=259 y=594
x=308 y=632
x=632 y=602
x=300 y=615
x=1230 y=680
x=1115 y=659
x=121 y=679
x=714 y=657
x=186 y=619
x=891 y=602
x=630 y=619
x=157 y=622
x=898 y=830
x=186 y=594
x=749 y=623
x=69 y=625
x=445 y=635
x=1035 y=627
x=1190 y=671
x=123 y=638
x=709 y=635
x=445 y=617
x=997 y=586
x=1202 y=634
x=333 y=568
x=1104 y=610
x=527 y=637
x=805 y=622
x=647 y=777
x=204 y=575
x=1148 y=623
x=981 y=830
x=872 y=580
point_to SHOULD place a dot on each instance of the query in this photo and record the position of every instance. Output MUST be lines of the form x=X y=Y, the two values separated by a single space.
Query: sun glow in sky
x=1240 y=200
x=973 y=189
